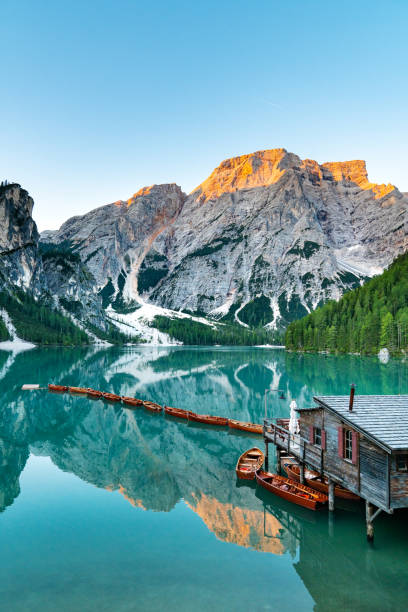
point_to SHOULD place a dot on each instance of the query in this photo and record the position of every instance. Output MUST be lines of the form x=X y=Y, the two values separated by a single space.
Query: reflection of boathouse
x=358 y=442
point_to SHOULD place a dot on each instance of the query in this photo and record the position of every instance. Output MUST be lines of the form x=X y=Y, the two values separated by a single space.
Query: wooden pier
x=359 y=443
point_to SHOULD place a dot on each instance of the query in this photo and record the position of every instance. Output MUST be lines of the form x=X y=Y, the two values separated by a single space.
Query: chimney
x=352 y=389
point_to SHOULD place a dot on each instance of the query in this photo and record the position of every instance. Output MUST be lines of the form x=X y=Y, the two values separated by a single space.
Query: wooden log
x=302 y=473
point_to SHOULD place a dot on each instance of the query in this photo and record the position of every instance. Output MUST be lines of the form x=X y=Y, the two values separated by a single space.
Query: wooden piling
x=278 y=460
x=369 y=521
x=331 y=495
x=302 y=473
x=266 y=456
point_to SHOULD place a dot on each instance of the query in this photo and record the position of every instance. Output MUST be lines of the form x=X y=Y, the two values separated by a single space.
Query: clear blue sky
x=99 y=98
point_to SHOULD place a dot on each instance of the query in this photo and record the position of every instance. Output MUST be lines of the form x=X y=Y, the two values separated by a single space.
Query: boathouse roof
x=384 y=418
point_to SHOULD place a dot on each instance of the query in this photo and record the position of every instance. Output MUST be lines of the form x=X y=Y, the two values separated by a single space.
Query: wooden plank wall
x=373 y=472
x=399 y=487
x=369 y=476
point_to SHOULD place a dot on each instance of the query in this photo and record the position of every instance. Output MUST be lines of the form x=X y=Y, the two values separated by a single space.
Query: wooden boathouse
x=359 y=442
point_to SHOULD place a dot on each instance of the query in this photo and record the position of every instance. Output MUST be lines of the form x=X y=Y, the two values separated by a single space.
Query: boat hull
x=207 y=419
x=78 y=390
x=299 y=494
x=248 y=463
x=93 y=394
x=318 y=485
x=57 y=388
x=111 y=397
x=132 y=401
x=176 y=412
x=152 y=406
x=248 y=427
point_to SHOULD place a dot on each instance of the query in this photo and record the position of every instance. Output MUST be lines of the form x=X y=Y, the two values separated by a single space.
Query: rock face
x=265 y=239
x=18 y=237
x=54 y=276
x=113 y=240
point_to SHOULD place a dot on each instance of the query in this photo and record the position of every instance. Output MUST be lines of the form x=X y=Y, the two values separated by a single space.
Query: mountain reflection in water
x=155 y=461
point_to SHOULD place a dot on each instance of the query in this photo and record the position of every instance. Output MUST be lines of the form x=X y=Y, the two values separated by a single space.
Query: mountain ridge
x=263 y=240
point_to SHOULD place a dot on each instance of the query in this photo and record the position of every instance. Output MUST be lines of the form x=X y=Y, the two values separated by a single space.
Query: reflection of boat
x=176 y=412
x=290 y=490
x=249 y=462
x=57 y=388
x=208 y=419
x=312 y=479
x=152 y=406
x=132 y=401
x=249 y=427
x=93 y=393
x=111 y=397
x=78 y=390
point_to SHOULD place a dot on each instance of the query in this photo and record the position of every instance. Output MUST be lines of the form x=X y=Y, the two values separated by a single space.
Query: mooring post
x=331 y=495
x=369 y=521
x=278 y=460
x=302 y=473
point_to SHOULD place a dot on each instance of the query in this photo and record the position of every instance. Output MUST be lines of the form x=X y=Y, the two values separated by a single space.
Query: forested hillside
x=194 y=333
x=39 y=323
x=364 y=320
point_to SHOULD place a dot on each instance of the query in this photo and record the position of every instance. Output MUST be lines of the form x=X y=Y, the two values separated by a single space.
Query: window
x=401 y=463
x=317 y=436
x=348 y=444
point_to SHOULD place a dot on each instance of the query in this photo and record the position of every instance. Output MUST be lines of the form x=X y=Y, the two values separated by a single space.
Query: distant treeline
x=195 y=333
x=364 y=320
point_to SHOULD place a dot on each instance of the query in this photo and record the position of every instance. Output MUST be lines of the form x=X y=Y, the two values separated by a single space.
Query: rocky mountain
x=51 y=276
x=18 y=238
x=266 y=238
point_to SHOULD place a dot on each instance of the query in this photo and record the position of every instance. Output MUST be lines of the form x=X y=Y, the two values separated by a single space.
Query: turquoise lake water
x=109 y=509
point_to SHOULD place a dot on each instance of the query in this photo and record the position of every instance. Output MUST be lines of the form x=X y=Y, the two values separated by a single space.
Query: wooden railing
x=293 y=444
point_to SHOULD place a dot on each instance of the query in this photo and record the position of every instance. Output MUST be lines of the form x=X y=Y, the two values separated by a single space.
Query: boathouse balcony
x=277 y=432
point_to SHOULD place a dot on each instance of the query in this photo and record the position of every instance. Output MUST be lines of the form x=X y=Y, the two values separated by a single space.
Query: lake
x=104 y=508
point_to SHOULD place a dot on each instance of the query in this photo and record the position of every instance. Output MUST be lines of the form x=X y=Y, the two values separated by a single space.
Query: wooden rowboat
x=313 y=480
x=57 y=388
x=132 y=401
x=94 y=394
x=152 y=406
x=111 y=397
x=249 y=427
x=78 y=390
x=176 y=412
x=249 y=462
x=207 y=419
x=291 y=491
